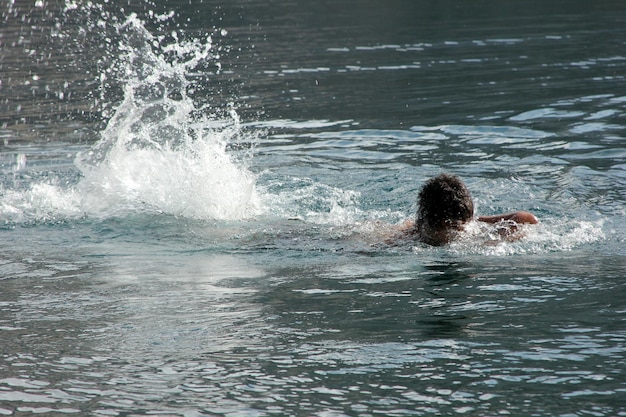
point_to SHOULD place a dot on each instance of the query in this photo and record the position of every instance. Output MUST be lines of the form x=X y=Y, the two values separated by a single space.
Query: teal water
x=196 y=200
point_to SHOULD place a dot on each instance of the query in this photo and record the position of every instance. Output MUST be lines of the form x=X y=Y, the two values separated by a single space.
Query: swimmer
x=445 y=206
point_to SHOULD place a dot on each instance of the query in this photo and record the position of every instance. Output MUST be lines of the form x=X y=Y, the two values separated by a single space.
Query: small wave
x=311 y=201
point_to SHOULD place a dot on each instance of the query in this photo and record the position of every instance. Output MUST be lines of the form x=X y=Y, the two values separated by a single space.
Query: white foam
x=41 y=203
x=156 y=154
x=206 y=185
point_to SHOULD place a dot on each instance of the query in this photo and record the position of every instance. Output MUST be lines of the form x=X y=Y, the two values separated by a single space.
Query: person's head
x=444 y=206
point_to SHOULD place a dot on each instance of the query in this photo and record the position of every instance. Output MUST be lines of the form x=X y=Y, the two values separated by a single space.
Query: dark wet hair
x=444 y=198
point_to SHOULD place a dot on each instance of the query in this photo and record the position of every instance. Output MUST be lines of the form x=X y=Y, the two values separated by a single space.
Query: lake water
x=196 y=197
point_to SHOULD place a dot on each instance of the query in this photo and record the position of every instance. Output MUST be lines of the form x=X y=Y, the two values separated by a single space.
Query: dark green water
x=196 y=227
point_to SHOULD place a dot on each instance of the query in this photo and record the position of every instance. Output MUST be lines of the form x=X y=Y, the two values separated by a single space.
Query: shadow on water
x=477 y=299
x=437 y=322
x=361 y=301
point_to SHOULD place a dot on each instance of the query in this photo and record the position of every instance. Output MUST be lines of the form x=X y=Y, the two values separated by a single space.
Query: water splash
x=159 y=151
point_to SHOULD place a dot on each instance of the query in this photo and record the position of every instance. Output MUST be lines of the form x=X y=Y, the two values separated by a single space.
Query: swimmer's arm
x=507 y=224
x=519 y=217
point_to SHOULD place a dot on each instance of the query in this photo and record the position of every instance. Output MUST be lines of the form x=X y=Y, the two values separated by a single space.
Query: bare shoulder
x=401 y=233
x=407 y=226
x=405 y=230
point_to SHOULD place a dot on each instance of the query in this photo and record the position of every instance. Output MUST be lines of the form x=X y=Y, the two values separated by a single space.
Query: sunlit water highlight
x=175 y=250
